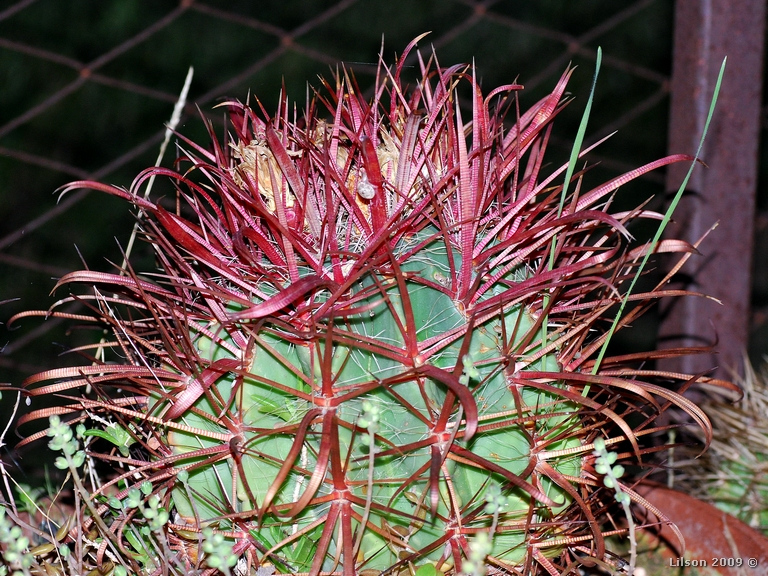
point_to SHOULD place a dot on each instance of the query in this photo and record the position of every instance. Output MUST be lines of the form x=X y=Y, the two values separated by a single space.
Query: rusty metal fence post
x=705 y=32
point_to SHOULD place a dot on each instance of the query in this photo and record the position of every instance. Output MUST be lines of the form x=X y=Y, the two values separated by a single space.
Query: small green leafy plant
x=17 y=560
x=605 y=465
x=377 y=341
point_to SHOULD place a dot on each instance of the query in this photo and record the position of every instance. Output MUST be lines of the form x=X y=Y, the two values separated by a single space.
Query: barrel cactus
x=732 y=474
x=371 y=344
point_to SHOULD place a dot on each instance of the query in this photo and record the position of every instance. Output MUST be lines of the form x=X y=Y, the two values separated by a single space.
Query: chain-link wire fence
x=86 y=88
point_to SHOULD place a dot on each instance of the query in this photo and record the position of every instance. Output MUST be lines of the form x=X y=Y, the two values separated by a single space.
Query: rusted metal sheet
x=705 y=32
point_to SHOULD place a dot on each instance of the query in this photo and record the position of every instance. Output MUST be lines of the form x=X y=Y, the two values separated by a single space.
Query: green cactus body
x=376 y=340
x=732 y=473
x=408 y=412
x=737 y=488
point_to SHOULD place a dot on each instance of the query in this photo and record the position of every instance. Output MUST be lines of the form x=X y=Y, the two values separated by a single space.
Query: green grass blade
x=664 y=221
x=575 y=151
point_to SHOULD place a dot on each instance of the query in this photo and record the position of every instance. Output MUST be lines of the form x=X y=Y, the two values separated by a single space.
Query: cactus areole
x=373 y=334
